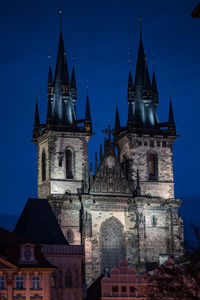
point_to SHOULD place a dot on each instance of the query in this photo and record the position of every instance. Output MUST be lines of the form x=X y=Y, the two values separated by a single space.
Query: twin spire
x=142 y=96
x=62 y=95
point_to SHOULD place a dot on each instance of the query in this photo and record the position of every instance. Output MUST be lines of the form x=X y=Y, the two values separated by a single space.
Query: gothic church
x=126 y=209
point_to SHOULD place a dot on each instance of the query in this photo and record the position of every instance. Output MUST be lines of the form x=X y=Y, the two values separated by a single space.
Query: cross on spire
x=108 y=131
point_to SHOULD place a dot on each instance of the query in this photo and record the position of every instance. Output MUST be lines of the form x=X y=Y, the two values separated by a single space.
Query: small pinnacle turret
x=130 y=119
x=171 y=122
x=49 y=118
x=130 y=91
x=50 y=77
x=73 y=79
x=36 y=124
x=117 y=121
x=154 y=88
x=88 y=120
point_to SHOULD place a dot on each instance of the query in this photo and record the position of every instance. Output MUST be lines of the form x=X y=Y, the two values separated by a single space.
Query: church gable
x=109 y=177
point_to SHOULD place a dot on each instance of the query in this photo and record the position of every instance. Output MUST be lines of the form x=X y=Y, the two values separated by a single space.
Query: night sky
x=100 y=34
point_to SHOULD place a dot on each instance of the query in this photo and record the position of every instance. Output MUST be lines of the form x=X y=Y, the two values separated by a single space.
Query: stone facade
x=55 y=145
x=126 y=210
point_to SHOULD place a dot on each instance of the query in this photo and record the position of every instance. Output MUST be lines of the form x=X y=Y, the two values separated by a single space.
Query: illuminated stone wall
x=143 y=241
x=136 y=149
x=55 y=145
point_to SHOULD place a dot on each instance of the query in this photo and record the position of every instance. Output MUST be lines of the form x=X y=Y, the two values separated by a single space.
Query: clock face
x=110 y=162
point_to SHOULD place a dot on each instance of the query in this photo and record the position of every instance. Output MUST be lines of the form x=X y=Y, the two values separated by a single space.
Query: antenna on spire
x=129 y=60
x=140 y=27
x=60 y=13
x=49 y=57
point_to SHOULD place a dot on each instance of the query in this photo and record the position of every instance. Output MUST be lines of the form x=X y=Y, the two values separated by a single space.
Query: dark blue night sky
x=100 y=34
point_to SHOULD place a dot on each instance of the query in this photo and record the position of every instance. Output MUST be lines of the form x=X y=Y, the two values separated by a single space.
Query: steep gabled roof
x=39 y=224
x=10 y=244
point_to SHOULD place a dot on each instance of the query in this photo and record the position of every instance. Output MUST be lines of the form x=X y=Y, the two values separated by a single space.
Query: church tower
x=144 y=143
x=62 y=142
x=125 y=208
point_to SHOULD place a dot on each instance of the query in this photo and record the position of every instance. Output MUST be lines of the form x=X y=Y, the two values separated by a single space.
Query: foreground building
x=25 y=273
x=126 y=210
x=38 y=224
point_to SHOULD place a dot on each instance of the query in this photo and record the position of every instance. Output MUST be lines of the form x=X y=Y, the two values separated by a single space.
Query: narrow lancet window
x=152 y=162
x=43 y=165
x=69 y=236
x=154 y=221
x=68 y=158
x=68 y=279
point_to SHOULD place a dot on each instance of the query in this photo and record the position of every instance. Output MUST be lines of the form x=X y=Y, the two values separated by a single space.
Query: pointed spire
x=73 y=78
x=171 y=114
x=154 y=86
x=146 y=82
x=36 y=118
x=49 y=112
x=171 y=122
x=96 y=163
x=50 y=76
x=101 y=153
x=130 y=114
x=139 y=74
x=87 y=110
x=117 y=121
x=61 y=74
x=130 y=91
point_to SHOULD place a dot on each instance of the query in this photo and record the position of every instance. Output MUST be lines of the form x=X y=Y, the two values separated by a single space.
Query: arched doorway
x=112 y=240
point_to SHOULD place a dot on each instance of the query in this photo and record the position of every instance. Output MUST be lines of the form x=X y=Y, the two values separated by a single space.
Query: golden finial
x=60 y=13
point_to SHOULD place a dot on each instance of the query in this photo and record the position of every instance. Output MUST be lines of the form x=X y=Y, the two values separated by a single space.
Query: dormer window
x=27 y=254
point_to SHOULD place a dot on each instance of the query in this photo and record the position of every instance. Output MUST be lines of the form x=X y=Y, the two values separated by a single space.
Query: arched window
x=68 y=161
x=60 y=279
x=153 y=166
x=43 y=165
x=53 y=280
x=68 y=279
x=77 y=278
x=112 y=241
x=69 y=236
